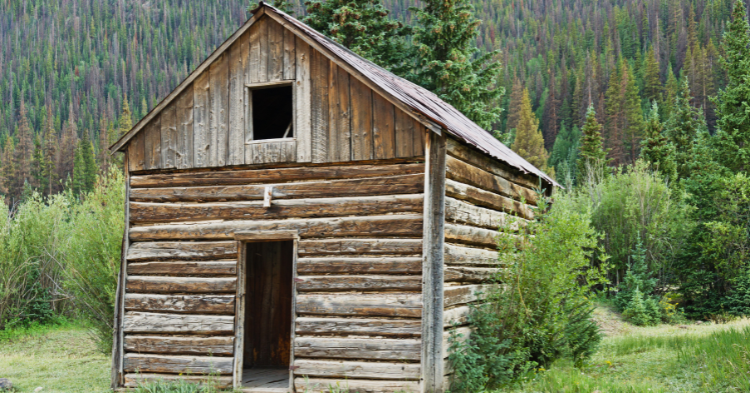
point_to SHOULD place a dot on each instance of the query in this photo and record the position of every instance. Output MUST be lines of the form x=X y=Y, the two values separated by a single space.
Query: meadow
x=693 y=357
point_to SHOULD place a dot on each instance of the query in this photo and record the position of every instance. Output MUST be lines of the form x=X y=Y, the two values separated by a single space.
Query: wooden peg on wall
x=267 y=195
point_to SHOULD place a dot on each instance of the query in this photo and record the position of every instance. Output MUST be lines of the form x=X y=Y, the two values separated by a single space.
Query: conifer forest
x=639 y=109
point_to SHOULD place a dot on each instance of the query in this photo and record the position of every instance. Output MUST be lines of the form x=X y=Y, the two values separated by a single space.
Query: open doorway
x=268 y=314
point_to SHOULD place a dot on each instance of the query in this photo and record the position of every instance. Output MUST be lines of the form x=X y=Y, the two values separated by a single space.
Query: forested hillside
x=67 y=67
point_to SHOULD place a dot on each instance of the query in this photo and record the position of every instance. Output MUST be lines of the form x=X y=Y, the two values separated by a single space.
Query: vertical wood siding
x=336 y=117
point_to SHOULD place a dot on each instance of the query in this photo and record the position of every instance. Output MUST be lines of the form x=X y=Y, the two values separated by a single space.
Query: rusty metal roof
x=422 y=101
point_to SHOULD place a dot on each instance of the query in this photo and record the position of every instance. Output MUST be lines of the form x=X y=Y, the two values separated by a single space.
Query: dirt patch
x=610 y=321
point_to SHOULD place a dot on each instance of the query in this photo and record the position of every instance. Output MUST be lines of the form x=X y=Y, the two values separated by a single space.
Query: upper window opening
x=272 y=113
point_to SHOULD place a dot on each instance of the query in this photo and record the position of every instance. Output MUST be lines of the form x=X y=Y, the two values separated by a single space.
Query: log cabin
x=299 y=218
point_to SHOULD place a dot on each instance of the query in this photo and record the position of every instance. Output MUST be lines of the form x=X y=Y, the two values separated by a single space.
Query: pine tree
x=592 y=157
x=23 y=153
x=37 y=164
x=448 y=64
x=68 y=143
x=9 y=170
x=614 y=126
x=651 y=81
x=514 y=107
x=565 y=153
x=126 y=121
x=656 y=149
x=49 y=169
x=78 y=179
x=633 y=118
x=671 y=89
x=733 y=138
x=364 y=27
x=682 y=127
x=529 y=142
x=89 y=163
x=104 y=145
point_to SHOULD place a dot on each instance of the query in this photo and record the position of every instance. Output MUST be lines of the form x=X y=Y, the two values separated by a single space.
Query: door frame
x=242 y=238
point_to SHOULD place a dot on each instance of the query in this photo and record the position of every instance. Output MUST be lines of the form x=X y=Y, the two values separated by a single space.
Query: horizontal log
x=384 y=305
x=195 y=304
x=456 y=316
x=178 y=364
x=457 y=211
x=182 y=268
x=481 y=160
x=392 y=225
x=365 y=327
x=144 y=251
x=388 y=185
x=146 y=212
x=238 y=177
x=383 y=265
x=144 y=322
x=466 y=173
x=319 y=385
x=461 y=335
x=357 y=348
x=135 y=380
x=467 y=256
x=210 y=346
x=359 y=246
x=464 y=294
x=359 y=283
x=353 y=369
x=488 y=199
x=469 y=274
x=161 y=284
x=471 y=235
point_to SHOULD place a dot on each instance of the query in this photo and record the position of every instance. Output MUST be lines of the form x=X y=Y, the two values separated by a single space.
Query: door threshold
x=266 y=390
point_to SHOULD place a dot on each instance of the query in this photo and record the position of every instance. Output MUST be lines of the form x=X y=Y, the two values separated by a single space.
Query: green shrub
x=543 y=311
x=636 y=311
x=177 y=386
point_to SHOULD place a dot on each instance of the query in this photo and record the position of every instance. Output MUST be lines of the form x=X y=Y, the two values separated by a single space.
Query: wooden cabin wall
x=481 y=196
x=336 y=117
x=358 y=279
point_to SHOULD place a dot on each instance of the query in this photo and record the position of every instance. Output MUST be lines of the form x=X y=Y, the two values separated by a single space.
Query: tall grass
x=60 y=256
x=723 y=359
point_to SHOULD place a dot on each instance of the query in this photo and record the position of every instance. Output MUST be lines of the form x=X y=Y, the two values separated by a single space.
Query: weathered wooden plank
x=253 y=68
x=275 y=51
x=461 y=212
x=145 y=251
x=359 y=283
x=271 y=152
x=146 y=322
x=242 y=177
x=146 y=212
x=191 y=304
x=471 y=235
x=219 y=111
x=289 y=55
x=470 y=274
x=418 y=138
x=357 y=348
x=161 y=284
x=319 y=74
x=152 y=156
x=201 y=142
x=456 y=316
x=339 y=134
x=136 y=153
x=263 y=26
x=382 y=265
x=363 y=327
x=480 y=160
x=302 y=95
x=467 y=256
x=432 y=265
x=392 y=225
x=481 y=197
x=383 y=115
x=138 y=379
x=405 y=129
x=178 y=364
x=384 y=305
x=353 y=369
x=184 y=148
x=180 y=345
x=181 y=268
x=168 y=130
x=465 y=294
x=319 y=385
x=359 y=246
x=236 y=103
x=475 y=176
x=389 y=185
x=361 y=101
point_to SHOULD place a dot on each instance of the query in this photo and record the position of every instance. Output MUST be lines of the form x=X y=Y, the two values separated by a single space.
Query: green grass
x=61 y=358
x=686 y=358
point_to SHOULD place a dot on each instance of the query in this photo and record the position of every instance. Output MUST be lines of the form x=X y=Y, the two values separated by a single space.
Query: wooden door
x=268 y=311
